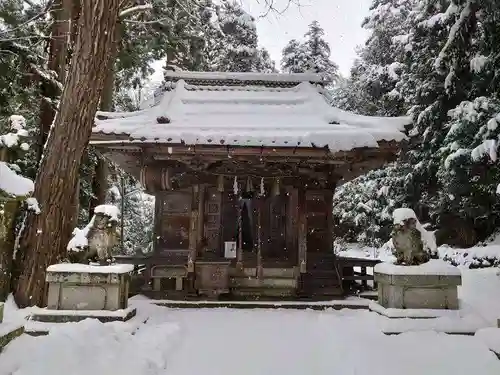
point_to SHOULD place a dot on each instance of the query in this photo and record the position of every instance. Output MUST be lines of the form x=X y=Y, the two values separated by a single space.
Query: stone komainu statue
x=408 y=244
x=103 y=235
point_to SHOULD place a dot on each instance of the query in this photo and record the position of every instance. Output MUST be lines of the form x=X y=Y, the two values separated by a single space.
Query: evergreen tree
x=231 y=43
x=294 y=57
x=469 y=171
x=449 y=69
x=312 y=55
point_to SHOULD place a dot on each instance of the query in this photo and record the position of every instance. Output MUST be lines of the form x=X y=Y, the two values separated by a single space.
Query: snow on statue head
x=100 y=235
x=413 y=245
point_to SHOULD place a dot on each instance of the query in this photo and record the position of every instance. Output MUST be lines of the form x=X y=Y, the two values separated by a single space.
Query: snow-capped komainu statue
x=98 y=238
x=102 y=237
x=407 y=238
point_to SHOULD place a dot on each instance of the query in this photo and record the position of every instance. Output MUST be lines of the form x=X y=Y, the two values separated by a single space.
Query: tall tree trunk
x=100 y=177
x=45 y=237
x=62 y=14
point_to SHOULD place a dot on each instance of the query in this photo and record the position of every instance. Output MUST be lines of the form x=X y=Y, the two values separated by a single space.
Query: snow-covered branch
x=453 y=32
x=135 y=9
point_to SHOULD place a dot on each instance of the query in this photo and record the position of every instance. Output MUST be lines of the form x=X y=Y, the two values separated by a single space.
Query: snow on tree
x=374 y=85
x=14 y=188
x=232 y=42
x=311 y=55
x=46 y=235
x=363 y=207
x=444 y=52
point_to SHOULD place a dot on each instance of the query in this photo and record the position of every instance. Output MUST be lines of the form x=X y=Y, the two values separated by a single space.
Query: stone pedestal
x=432 y=285
x=79 y=291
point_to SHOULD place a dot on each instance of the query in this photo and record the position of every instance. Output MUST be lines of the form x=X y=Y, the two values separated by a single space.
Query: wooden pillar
x=239 y=247
x=193 y=237
x=302 y=236
x=193 y=222
x=292 y=222
x=259 y=237
x=200 y=229
x=328 y=194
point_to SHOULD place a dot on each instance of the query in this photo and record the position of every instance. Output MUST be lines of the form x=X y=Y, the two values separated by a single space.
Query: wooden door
x=273 y=228
x=174 y=213
x=319 y=207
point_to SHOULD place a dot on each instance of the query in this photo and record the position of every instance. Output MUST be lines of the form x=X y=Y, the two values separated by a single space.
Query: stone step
x=326 y=291
x=253 y=282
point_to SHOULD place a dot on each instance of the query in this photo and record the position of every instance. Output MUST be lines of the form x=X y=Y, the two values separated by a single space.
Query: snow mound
x=474 y=257
x=13 y=184
x=432 y=267
x=491 y=337
x=91 y=347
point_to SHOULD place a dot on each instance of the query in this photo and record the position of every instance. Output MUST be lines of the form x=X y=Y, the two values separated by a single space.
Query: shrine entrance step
x=356 y=304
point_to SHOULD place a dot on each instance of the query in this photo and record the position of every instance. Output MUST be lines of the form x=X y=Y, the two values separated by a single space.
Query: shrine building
x=243 y=167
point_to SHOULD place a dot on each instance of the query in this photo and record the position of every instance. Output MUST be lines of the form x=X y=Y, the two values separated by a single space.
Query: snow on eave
x=103 y=115
x=245 y=77
x=338 y=115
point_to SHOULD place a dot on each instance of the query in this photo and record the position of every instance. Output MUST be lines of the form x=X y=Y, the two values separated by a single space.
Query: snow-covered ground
x=246 y=342
x=223 y=341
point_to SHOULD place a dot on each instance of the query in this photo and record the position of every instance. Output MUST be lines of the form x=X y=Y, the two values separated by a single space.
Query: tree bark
x=7 y=239
x=46 y=236
x=100 y=177
x=62 y=13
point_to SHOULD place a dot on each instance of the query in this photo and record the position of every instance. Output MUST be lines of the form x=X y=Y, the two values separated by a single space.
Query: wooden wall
x=218 y=221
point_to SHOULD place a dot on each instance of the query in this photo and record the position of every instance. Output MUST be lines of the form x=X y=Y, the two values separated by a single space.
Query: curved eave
x=122 y=142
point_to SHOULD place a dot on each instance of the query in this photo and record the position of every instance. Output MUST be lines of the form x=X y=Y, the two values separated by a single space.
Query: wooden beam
x=113 y=141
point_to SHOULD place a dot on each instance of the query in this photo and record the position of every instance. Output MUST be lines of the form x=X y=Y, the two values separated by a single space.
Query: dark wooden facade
x=284 y=236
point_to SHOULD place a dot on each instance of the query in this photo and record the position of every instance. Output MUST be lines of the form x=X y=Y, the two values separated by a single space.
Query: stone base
x=64 y=316
x=402 y=287
x=9 y=332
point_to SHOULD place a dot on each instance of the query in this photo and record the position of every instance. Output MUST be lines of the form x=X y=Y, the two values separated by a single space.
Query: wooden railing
x=350 y=276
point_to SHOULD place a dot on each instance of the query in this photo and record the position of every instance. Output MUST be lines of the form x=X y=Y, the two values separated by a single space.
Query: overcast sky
x=341 y=20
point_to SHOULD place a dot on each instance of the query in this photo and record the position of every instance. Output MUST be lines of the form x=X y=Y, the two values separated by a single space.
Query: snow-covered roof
x=213 y=110
x=272 y=78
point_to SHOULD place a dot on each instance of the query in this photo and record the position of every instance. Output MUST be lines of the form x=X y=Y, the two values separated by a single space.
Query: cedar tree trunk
x=62 y=14
x=100 y=176
x=46 y=236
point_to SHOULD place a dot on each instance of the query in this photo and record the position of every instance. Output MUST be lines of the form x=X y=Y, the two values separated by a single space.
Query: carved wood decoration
x=213 y=230
x=165 y=179
x=175 y=220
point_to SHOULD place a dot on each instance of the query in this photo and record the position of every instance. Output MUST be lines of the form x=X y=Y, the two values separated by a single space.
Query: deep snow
x=246 y=342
